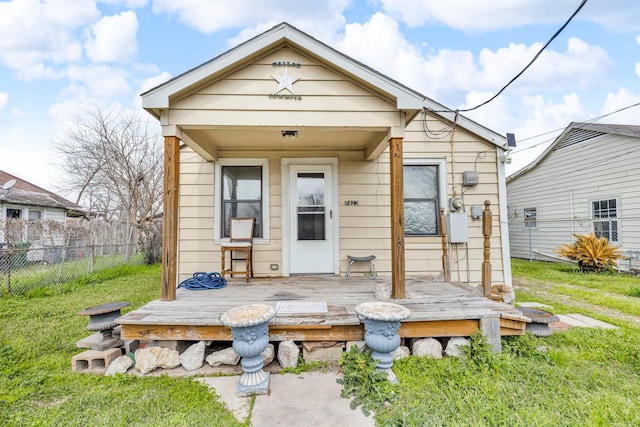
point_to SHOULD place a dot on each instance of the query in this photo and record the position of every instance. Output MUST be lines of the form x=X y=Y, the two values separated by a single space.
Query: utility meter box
x=457 y=227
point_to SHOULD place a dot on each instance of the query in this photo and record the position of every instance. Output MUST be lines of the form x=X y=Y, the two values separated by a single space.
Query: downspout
x=504 y=223
x=571 y=208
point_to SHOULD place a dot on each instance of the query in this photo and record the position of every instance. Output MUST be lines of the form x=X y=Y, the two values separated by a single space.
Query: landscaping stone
x=288 y=353
x=227 y=356
x=119 y=366
x=427 y=347
x=454 y=347
x=150 y=358
x=360 y=344
x=401 y=352
x=193 y=357
x=269 y=354
x=312 y=352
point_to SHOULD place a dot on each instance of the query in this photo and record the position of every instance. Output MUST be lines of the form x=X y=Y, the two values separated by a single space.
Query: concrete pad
x=538 y=305
x=309 y=399
x=580 y=320
x=225 y=387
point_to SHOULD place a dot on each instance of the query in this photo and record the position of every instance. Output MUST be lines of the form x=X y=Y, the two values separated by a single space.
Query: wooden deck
x=437 y=310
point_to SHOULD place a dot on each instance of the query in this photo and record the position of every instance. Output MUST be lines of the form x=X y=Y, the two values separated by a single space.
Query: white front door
x=311 y=219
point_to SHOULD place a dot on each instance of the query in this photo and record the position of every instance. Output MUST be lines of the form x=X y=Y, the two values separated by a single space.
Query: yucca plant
x=591 y=253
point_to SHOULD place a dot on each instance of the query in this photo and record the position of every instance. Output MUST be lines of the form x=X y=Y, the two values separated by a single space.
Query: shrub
x=591 y=253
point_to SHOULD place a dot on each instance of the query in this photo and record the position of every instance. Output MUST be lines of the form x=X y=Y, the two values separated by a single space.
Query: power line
x=527 y=66
x=592 y=120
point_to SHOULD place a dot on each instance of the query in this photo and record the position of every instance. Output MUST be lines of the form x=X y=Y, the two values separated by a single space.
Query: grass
x=582 y=377
x=37 y=340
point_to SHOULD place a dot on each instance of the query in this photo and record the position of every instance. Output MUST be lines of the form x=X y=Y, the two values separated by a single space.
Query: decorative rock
x=227 y=356
x=401 y=352
x=454 y=347
x=193 y=357
x=428 y=347
x=331 y=351
x=288 y=353
x=382 y=291
x=119 y=366
x=360 y=344
x=150 y=358
x=269 y=354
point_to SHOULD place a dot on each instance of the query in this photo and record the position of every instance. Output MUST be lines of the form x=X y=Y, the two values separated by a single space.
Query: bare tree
x=114 y=163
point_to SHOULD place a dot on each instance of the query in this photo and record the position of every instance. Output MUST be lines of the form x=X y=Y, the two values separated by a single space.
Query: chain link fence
x=42 y=254
x=537 y=239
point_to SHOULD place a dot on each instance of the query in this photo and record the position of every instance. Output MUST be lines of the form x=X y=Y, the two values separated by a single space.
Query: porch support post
x=170 y=217
x=397 y=219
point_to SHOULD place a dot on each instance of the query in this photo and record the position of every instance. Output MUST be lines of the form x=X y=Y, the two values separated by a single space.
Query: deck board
x=437 y=309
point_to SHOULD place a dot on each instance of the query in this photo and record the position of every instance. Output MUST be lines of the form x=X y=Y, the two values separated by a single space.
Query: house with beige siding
x=332 y=159
x=585 y=182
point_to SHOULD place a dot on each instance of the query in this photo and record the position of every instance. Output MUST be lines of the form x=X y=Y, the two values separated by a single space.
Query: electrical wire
x=592 y=120
x=527 y=66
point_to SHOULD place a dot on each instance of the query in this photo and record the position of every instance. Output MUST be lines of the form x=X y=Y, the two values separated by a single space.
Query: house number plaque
x=351 y=203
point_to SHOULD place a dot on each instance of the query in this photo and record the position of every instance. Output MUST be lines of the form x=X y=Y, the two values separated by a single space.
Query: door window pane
x=311 y=210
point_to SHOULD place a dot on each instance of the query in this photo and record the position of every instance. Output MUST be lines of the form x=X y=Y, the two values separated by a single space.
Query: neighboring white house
x=586 y=181
x=20 y=199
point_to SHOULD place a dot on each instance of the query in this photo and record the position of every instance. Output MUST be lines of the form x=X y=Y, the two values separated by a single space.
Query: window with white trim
x=423 y=190
x=530 y=217
x=34 y=226
x=242 y=191
x=605 y=219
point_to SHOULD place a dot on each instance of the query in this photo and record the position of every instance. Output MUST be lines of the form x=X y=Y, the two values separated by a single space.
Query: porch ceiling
x=211 y=141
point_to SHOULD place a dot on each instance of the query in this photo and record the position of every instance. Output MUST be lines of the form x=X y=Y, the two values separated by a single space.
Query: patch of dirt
x=544 y=291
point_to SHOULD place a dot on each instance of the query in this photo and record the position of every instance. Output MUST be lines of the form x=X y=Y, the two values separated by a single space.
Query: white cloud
x=4 y=98
x=320 y=19
x=154 y=81
x=34 y=33
x=475 y=15
x=131 y=4
x=100 y=80
x=113 y=38
x=616 y=101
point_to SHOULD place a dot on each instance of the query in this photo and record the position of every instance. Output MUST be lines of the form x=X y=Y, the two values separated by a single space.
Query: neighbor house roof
x=26 y=193
x=577 y=133
x=283 y=34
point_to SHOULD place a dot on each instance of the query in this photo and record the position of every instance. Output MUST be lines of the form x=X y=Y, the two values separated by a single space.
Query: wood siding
x=566 y=182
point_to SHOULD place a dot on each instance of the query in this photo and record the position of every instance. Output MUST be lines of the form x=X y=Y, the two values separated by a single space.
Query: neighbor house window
x=421 y=199
x=242 y=191
x=531 y=217
x=34 y=226
x=605 y=219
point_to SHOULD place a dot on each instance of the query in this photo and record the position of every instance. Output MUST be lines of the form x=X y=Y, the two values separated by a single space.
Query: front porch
x=438 y=309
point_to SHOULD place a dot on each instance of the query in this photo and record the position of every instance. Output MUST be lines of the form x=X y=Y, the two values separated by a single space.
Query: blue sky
x=59 y=57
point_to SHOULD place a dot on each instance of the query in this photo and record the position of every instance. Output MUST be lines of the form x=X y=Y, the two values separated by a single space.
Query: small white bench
x=368 y=259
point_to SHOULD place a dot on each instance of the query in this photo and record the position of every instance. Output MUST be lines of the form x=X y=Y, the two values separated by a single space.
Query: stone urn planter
x=250 y=329
x=381 y=323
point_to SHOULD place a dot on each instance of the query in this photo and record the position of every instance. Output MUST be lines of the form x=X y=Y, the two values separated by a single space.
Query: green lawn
x=582 y=377
x=37 y=341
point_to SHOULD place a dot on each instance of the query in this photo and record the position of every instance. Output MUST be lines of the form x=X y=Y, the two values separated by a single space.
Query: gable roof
x=284 y=34
x=26 y=193
x=576 y=133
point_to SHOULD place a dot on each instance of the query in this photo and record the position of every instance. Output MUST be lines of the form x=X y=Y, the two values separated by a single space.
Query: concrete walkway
x=307 y=399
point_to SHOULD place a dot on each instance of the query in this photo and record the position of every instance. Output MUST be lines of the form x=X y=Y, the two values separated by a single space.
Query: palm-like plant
x=591 y=253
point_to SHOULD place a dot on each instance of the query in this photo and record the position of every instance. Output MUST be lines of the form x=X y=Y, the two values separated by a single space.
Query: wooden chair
x=240 y=240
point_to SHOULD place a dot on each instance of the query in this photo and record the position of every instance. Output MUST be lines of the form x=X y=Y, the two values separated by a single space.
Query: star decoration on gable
x=285 y=81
